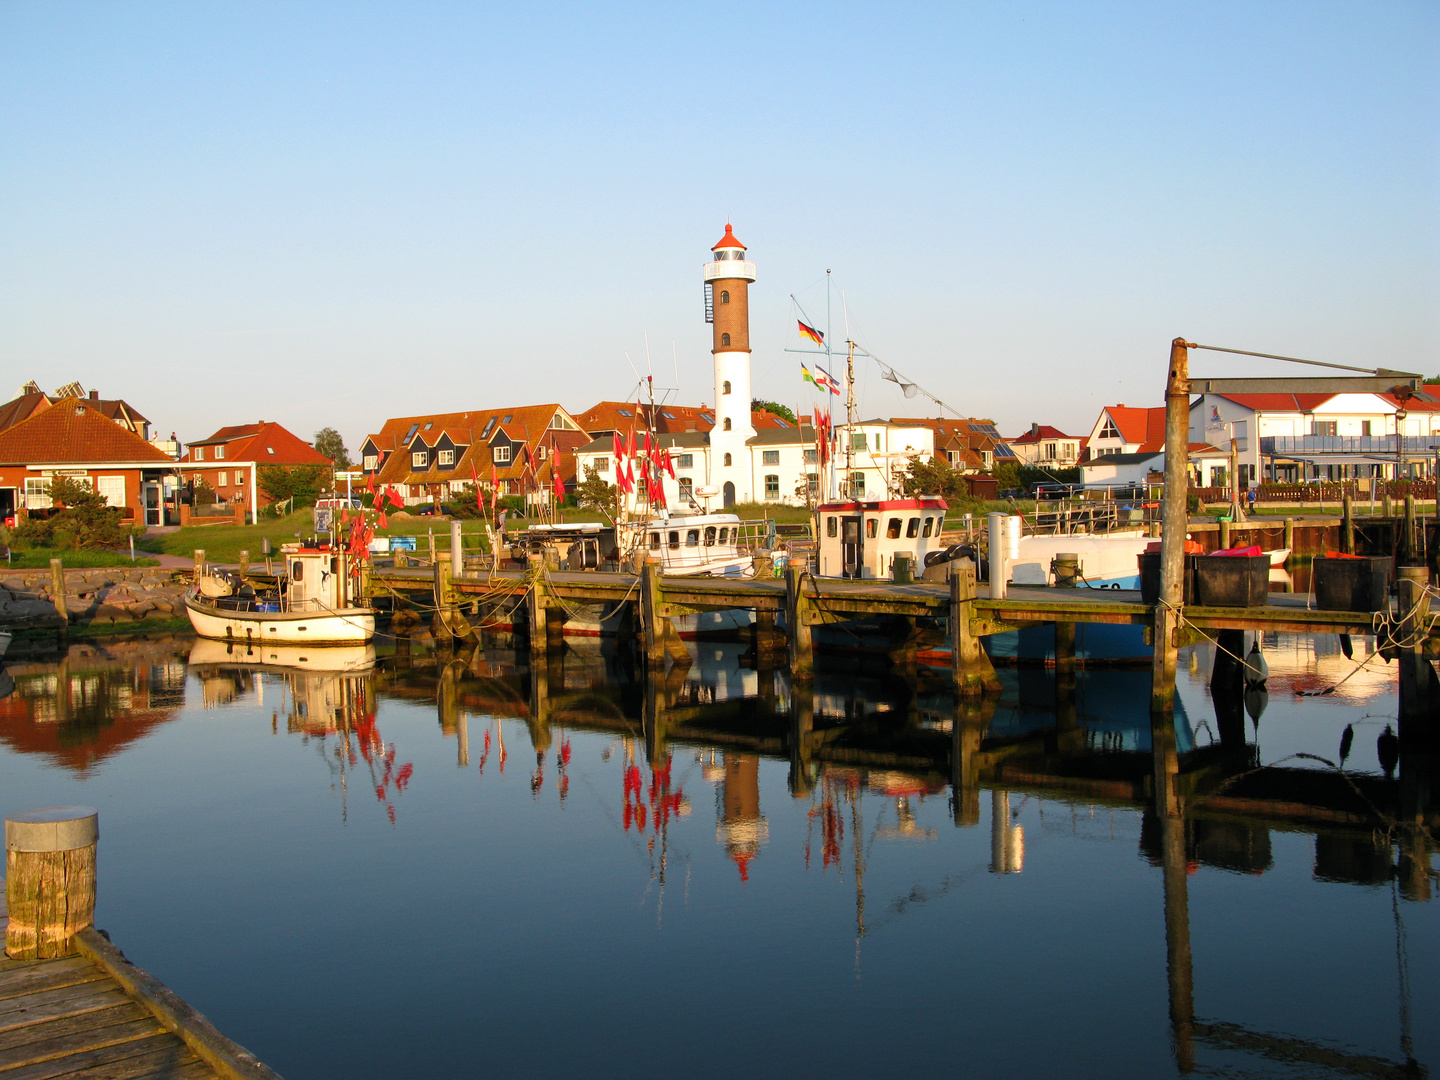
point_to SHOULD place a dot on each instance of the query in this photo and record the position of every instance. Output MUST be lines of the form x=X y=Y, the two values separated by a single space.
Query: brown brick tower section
x=732 y=315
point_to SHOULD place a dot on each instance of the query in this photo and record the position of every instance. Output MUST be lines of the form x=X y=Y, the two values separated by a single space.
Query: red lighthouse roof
x=728 y=240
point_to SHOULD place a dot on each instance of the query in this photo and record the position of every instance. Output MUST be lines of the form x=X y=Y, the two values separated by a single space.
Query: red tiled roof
x=664 y=420
x=255 y=442
x=71 y=431
x=1278 y=402
x=1138 y=425
x=22 y=408
x=728 y=240
x=1045 y=432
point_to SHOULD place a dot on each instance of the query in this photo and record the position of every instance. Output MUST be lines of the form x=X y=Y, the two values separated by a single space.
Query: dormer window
x=502 y=455
x=219 y=453
x=418 y=459
x=447 y=457
x=199 y=454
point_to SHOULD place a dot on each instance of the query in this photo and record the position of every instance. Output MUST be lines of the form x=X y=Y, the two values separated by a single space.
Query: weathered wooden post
x=1290 y=534
x=49 y=880
x=650 y=629
x=1409 y=545
x=57 y=594
x=1224 y=533
x=974 y=674
x=1347 y=525
x=199 y=564
x=457 y=550
x=537 y=601
x=1174 y=520
x=1419 y=713
x=244 y=564
x=798 y=608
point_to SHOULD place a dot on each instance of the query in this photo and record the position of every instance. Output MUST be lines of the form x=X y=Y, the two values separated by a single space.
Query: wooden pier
x=72 y=1007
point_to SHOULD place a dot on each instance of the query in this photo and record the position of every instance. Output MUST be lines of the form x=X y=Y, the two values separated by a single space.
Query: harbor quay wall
x=105 y=595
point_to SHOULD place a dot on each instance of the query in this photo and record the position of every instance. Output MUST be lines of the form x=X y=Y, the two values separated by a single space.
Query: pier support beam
x=798 y=607
x=537 y=603
x=1174 y=519
x=1347 y=525
x=1419 y=700
x=974 y=674
x=49 y=880
x=651 y=632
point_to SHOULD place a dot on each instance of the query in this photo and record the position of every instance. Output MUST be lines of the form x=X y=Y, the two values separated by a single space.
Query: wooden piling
x=49 y=880
x=652 y=638
x=1175 y=519
x=1347 y=525
x=244 y=564
x=1224 y=534
x=537 y=601
x=1408 y=547
x=457 y=550
x=1419 y=709
x=57 y=593
x=798 y=618
x=199 y=564
x=1290 y=534
x=974 y=674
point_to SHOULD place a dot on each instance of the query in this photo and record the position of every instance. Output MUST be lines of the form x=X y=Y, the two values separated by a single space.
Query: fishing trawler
x=312 y=604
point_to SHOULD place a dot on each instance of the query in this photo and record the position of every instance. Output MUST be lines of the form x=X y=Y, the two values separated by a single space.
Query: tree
x=329 y=443
x=593 y=493
x=934 y=476
x=82 y=519
x=303 y=483
x=756 y=405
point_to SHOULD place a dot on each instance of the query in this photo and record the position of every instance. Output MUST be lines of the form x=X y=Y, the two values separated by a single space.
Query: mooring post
x=554 y=630
x=974 y=674
x=199 y=564
x=1347 y=525
x=457 y=550
x=650 y=616
x=536 y=602
x=49 y=880
x=1409 y=549
x=1290 y=534
x=57 y=594
x=798 y=608
x=1419 y=712
x=1174 y=520
x=1224 y=534
x=244 y=564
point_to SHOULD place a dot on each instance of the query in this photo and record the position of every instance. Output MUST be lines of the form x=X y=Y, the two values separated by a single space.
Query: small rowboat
x=1278 y=557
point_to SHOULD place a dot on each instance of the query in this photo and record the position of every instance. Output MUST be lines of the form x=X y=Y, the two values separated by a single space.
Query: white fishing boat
x=861 y=538
x=312 y=604
x=208 y=652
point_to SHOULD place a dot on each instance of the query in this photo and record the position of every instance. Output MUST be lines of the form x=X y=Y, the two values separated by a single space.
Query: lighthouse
x=727 y=306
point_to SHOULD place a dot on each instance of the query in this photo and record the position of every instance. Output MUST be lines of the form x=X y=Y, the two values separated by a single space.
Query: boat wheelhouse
x=860 y=538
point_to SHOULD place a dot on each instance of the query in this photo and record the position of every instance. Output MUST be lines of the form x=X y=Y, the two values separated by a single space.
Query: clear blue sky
x=331 y=214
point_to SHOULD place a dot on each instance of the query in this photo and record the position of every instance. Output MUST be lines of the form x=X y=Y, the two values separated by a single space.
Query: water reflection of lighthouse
x=740 y=827
x=1007 y=840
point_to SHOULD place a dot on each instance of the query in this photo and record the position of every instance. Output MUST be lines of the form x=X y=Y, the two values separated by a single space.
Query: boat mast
x=849 y=417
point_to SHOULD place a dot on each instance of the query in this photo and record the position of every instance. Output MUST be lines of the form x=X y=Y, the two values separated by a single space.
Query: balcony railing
x=1345 y=444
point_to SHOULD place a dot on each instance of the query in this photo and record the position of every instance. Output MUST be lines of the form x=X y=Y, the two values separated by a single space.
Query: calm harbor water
x=425 y=869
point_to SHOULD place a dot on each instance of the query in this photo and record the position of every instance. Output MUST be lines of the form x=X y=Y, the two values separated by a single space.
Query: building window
x=199 y=454
x=540 y=452
x=727 y=461
x=1324 y=427
x=446 y=457
x=219 y=453
x=812 y=483
x=685 y=461
x=239 y=477
x=770 y=457
x=501 y=454
x=1049 y=452
x=1364 y=427
x=772 y=487
x=857 y=440
x=727 y=423
x=418 y=459
x=370 y=463
x=724 y=296
x=270 y=450
x=687 y=489
x=1109 y=431
x=812 y=456
x=602 y=464
x=724 y=339
x=987 y=459
x=857 y=486
x=35 y=497
x=220 y=478
x=725 y=386
x=111 y=489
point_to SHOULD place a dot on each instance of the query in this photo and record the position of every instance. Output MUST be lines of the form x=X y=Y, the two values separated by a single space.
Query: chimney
x=1035 y=430
x=94 y=395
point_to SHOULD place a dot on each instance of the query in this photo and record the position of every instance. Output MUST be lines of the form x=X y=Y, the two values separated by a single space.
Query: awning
x=1350 y=459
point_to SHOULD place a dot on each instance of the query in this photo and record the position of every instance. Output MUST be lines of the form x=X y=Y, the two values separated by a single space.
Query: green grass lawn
x=39 y=559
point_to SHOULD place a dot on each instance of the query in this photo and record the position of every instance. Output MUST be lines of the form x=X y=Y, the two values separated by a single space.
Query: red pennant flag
x=559 y=483
x=384 y=523
x=669 y=463
x=619 y=444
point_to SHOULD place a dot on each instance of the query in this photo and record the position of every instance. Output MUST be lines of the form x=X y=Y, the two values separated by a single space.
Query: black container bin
x=1347 y=584
x=1150 y=577
x=1232 y=580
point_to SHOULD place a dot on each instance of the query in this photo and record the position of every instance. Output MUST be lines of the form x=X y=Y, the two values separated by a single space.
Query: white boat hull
x=335 y=658
x=345 y=626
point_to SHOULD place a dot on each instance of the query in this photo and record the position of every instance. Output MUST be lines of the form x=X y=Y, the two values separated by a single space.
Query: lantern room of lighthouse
x=727 y=306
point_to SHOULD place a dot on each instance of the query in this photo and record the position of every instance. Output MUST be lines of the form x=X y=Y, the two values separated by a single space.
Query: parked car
x=1053 y=489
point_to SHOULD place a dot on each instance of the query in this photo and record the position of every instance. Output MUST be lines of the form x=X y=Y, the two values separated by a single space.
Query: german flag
x=810 y=332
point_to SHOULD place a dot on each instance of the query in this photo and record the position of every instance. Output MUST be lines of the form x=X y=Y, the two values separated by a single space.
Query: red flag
x=669 y=463
x=384 y=523
x=619 y=444
x=559 y=483
x=370 y=483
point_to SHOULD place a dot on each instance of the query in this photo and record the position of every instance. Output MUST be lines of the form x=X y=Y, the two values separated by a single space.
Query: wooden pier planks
x=96 y=1016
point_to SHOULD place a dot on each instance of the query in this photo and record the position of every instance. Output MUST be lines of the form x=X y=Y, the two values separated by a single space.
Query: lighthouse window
x=727 y=425
x=912 y=529
x=725 y=386
x=724 y=297
x=724 y=339
x=727 y=457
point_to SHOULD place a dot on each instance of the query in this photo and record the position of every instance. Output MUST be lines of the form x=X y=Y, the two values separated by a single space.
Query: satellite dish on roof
x=708 y=491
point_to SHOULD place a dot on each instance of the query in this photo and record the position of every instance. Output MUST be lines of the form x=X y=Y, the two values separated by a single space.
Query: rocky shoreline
x=105 y=596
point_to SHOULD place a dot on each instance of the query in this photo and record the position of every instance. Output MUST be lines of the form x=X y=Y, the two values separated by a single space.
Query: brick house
x=73 y=437
x=970 y=445
x=427 y=458
x=230 y=460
